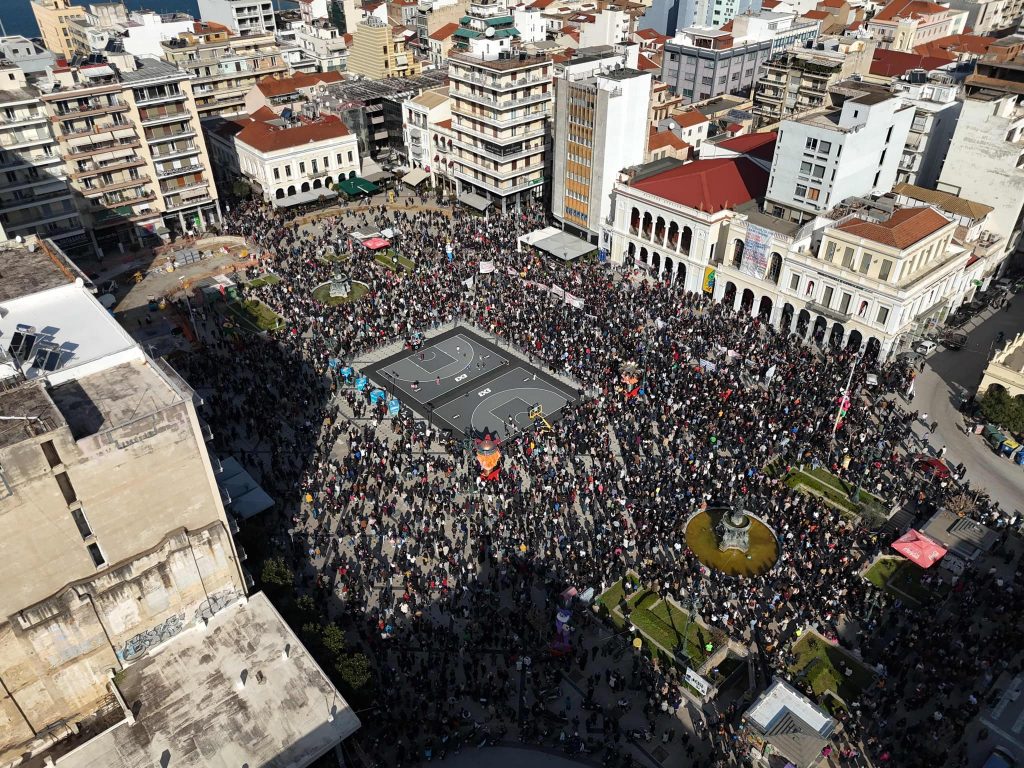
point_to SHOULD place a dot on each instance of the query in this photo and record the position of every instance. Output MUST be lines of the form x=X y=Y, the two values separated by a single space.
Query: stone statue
x=734 y=529
x=341 y=284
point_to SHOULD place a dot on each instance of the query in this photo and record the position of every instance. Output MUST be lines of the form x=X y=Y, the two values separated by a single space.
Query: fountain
x=341 y=285
x=732 y=540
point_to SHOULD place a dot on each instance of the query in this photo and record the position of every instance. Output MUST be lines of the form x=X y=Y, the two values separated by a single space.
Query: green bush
x=1002 y=410
x=276 y=573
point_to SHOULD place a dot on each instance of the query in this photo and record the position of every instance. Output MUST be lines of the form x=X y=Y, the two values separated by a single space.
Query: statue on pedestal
x=734 y=529
x=341 y=284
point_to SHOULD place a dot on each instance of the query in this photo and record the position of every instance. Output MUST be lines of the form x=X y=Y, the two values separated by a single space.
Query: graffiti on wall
x=215 y=602
x=142 y=642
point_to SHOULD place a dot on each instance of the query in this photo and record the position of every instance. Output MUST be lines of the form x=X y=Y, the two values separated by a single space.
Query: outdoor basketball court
x=462 y=381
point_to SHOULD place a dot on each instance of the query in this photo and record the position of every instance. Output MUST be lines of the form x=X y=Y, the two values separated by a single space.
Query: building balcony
x=506 y=121
x=500 y=189
x=97 y=109
x=86 y=150
x=180 y=204
x=122 y=164
x=165 y=173
x=115 y=201
x=501 y=156
x=503 y=85
x=24 y=119
x=29 y=141
x=94 y=130
x=511 y=103
x=169 y=153
x=499 y=172
x=30 y=160
x=158 y=119
x=166 y=98
x=509 y=138
x=115 y=186
x=27 y=201
x=39 y=181
x=173 y=189
x=188 y=133
x=816 y=308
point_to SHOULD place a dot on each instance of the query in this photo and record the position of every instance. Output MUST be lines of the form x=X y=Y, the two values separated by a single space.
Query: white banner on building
x=755 y=251
x=486 y=267
x=697 y=682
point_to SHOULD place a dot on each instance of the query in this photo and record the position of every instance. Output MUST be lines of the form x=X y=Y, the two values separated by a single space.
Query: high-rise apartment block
x=133 y=149
x=224 y=67
x=379 y=50
x=53 y=17
x=501 y=102
x=600 y=127
x=243 y=17
x=35 y=197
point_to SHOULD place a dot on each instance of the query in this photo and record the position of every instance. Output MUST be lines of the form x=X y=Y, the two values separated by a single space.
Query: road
x=949 y=374
x=510 y=757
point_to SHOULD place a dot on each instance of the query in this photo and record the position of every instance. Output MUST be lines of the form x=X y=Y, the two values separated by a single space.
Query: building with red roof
x=887 y=64
x=957 y=48
x=902 y=25
x=287 y=159
x=759 y=147
x=665 y=144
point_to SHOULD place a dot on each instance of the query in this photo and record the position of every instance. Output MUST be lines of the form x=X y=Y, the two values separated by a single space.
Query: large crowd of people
x=449 y=583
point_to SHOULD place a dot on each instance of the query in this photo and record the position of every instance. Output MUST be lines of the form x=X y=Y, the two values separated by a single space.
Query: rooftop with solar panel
x=64 y=359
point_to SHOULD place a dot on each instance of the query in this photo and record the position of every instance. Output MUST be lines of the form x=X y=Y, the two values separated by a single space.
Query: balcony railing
x=104 y=146
x=172 y=189
x=114 y=186
x=477 y=98
x=499 y=85
x=168 y=172
x=91 y=130
x=506 y=121
x=160 y=99
x=176 y=152
x=25 y=201
x=98 y=109
x=157 y=119
x=173 y=205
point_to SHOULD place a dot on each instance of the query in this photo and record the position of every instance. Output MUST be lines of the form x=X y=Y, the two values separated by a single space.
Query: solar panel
x=47 y=357
x=22 y=341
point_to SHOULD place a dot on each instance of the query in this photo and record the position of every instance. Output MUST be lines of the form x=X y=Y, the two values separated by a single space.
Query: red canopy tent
x=919 y=549
x=376 y=243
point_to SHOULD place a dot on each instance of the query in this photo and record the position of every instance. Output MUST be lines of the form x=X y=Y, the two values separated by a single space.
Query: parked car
x=930 y=467
x=925 y=347
x=954 y=340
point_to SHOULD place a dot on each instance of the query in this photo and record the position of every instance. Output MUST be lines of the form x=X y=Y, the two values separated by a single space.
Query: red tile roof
x=264 y=137
x=759 y=145
x=444 y=32
x=903 y=9
x=832 y=3
x=688 y=118
x=644 y=63
x=767 y=5
x=708 y=185
x=279 y=86
x=886 y=63
x=652 y=36
x=955 y=45
x=817 y=15
x=662 y=139
x=904 y=228
x=446 y=124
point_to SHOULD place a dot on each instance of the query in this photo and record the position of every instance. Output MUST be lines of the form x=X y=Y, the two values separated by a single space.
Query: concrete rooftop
x=195 y=711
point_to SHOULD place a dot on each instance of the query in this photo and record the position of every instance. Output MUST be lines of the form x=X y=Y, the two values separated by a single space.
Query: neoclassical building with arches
x=872 y=281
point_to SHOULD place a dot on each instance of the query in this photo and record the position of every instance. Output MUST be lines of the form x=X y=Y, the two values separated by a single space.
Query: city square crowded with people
x=448 y=579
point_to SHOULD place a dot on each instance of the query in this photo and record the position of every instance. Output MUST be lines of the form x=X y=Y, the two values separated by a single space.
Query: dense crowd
x=449 y=583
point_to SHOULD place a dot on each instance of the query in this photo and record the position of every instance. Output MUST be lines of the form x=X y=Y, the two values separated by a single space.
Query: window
x=825 y=147
x=50 y=452
x=882 y=316
x=83 y=525
x=826 y=299
x=707 y=80
x=277 y=173
x=813 y=193
x=68 y=490
x=811 y=144
x=349 y=156
x=302 y=167
x=848 y=258
x=97 y=556
x=801 y=190
x=830 y=251
x=865 y=263
x=805 y=167
x=888 y=134
x=885 y=269
x=844 y=303
x=819 y=171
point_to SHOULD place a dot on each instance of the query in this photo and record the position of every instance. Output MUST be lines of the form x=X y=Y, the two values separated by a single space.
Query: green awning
x=356 y=186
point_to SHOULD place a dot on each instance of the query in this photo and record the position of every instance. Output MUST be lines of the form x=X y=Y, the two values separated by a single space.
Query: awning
x=378 y=176
x=247 y=497
x=376 y=243
x=415 y=177
x=919 y=549
x=356 y=186
x=474 y=200
x=565 y=246
x=300 y=198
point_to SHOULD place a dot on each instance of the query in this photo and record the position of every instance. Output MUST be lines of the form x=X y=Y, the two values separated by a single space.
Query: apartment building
x=133 y=150
x=902 y=25
x=122 y=582
x=425 y=141
x=990 y=17
x=599 y=128
x=224 y=67
x=703 y=62
x=53 y=19
x=27 y=55
x=102 y=23
x=379 y=50
x=798 y=80
x=35 y=196
x=243 y=17
x=432 y=15
x=501 y=103
x=823 y=158
x=324 y=44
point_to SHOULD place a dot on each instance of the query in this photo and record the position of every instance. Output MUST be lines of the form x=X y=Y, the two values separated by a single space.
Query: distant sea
x=17 y=17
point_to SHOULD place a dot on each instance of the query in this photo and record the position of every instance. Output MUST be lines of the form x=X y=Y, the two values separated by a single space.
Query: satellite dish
x=19 y=240
x=489 y=32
